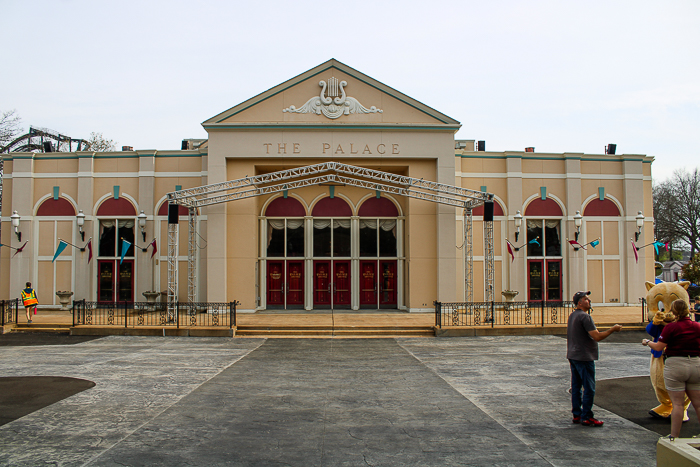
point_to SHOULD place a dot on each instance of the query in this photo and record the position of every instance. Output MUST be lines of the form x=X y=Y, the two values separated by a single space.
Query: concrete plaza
x=498 y=400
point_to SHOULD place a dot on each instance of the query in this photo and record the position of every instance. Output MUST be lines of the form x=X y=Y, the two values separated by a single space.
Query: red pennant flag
x=576 y=244
x=89 y=247
x=155 y=248
x=510 y=251
x=634 y=248
x=19 y=250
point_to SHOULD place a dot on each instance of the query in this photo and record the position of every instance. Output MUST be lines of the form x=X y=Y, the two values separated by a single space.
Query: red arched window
x=285 y=207
x=116 y=207
x=331 y=207
x=163 y=210
x=497 y=210
x=601 y=208
x=543 y=207
x=56 y=207
x=378 y=207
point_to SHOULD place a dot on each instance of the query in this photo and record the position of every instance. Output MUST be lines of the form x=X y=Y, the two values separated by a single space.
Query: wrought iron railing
x=10 y=311
x=491 y=314
x=134 y=314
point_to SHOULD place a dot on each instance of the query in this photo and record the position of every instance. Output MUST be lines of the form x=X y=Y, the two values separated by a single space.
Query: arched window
x=116 y=207
x=285 y=237
x=497 y=210
x=56 y=207
x=331 y=235
x=543 y=207
x=331 y=207
x=163 y=210
x=113 y=230
x=543 y=235
x=378 y=207
x=601 y=208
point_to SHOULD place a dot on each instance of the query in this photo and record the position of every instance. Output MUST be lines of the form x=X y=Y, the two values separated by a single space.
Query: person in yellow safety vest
x=30 y=301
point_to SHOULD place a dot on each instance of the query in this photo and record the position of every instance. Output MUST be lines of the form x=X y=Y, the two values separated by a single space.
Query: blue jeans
x=582 y=376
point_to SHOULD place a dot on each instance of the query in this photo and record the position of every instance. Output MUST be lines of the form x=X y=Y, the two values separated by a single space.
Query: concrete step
x=339 y=331
x=42 y=327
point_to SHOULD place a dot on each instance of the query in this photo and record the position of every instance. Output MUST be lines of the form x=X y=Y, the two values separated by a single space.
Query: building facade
x=329 y=245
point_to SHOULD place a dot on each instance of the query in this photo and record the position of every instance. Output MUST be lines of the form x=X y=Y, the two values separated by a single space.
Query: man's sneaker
x=576 y=420
x=591 y=422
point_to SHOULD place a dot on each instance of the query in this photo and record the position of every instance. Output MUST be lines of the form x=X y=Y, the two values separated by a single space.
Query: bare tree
x=9 y=127
x=98 y=143
x=677 y=210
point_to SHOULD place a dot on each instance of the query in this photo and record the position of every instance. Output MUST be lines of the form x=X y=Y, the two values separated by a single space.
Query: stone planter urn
x=510 y=295
x=151 y=296
x=64 y=299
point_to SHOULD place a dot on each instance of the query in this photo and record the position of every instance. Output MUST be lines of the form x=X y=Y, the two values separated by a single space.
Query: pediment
x=328 y=95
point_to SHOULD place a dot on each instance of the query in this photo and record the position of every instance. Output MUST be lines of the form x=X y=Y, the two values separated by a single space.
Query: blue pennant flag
x=595 y=243
x=61 y=246
x=125 y=247
x=534 y=240
x=657 y=245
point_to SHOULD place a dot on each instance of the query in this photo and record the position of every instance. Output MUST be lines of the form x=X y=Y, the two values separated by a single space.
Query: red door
x=275 y=283
x=115 y=287
x=553 y=279
x=341 y=284
x=368 y=284
x=387 y=284
x=535 y=281
x=295 y=284
x=105 y=283
x=322 y=284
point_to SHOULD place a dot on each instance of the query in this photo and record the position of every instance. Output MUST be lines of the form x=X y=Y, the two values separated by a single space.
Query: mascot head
x=660 y=296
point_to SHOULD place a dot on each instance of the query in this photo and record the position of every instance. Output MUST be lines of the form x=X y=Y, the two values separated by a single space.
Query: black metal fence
x=491 y=314
x=133 y=314
x=10 y=311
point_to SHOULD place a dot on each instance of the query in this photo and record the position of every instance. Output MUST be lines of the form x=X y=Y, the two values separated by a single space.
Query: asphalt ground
x=215 y=401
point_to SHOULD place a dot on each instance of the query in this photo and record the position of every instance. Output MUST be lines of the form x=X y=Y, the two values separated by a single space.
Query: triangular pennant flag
x=125 y=247
x=155 y=248
x=634 y=248
x=657 y=245
x=61 y=246
x=595 y=243
x=510 y=250
x=89 y=247
x=534 y=240
x=576 y=245
x=19 y=250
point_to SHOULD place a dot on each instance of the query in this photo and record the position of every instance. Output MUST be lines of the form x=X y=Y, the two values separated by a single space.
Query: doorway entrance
x=544 y=280
x=378 y=284
x=285 y=284
x=331 y=284
x=116 y=281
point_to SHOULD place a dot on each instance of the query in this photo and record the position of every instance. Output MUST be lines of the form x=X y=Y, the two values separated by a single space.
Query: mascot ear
x=684 y=284
x=649 y=285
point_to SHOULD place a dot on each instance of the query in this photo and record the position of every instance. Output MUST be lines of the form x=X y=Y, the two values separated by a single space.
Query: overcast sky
x=562 y=76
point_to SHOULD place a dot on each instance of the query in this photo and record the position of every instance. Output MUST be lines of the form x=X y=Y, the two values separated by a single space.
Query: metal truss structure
x=173 y=233
x=44 y=140
x=327 y=173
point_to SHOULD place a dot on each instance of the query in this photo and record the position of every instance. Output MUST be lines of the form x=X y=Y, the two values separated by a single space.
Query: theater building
x=328 y=245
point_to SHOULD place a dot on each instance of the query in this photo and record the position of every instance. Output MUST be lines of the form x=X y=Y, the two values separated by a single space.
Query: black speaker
x=488 y=211
x=185 y=146
x=48 y=147
x=611 y=149
x=173 y=211
x=481 y=145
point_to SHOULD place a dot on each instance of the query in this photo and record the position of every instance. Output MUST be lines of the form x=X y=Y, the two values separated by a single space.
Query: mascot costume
x=659 y=299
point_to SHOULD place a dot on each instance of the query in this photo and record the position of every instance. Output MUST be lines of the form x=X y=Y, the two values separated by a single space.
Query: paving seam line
x=98 y=455
x=483 y=409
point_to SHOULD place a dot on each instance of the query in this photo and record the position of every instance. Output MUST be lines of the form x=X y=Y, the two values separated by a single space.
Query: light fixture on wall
x=142 y=224
x=80 y=220
x=518 y=218
x=578 y=220
x=15 y=223
x=640 y=224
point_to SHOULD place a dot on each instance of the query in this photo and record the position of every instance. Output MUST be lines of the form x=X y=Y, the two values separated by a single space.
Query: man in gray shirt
x=582 y=339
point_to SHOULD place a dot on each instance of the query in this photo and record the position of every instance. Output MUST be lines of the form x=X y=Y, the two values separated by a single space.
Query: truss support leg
x=192 y=256
x=468 y=257
x=173 y=234
x=489 y=256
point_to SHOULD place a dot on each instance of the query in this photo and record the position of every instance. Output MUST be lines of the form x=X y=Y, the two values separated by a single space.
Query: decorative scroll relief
x=333 y=104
